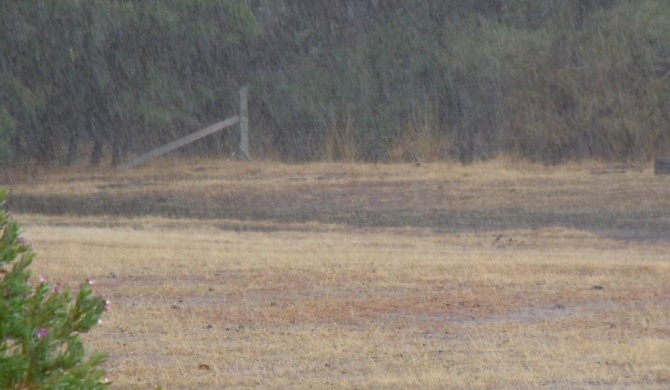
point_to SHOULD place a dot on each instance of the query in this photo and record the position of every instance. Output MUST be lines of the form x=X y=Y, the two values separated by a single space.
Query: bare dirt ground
x=494 y=276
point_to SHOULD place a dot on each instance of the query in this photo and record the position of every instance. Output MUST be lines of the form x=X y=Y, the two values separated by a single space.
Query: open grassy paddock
x=498 y=275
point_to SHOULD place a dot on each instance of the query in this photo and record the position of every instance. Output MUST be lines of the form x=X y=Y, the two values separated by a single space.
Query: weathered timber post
x=244 y=123
x=242 y=119
x=662 y=166
x=179 y=143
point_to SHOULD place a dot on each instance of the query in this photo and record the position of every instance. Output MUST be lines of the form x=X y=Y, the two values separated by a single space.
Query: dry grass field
x=331 y=276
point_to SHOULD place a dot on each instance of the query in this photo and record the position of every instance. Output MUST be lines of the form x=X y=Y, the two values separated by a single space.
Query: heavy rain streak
x=335 y=194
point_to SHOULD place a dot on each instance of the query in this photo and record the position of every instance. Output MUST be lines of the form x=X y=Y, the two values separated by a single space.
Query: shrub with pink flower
x=41 y=333
x=40 y=324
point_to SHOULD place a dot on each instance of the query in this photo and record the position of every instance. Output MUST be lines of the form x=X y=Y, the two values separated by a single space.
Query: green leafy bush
x=40 y=323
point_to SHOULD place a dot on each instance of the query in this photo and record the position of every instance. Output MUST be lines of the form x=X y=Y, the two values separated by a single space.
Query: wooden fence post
x=242 y=119
x=179 y=143
x=244 y=123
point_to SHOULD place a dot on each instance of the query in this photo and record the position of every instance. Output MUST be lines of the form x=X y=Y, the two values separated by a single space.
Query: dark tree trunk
x=96 y=155
x=120 y=147
x=45 y=148
x=116 y=152
x=72 y=149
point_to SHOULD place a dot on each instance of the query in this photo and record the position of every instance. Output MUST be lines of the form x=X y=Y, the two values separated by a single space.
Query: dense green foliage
x=40 y=324
x=546 y=80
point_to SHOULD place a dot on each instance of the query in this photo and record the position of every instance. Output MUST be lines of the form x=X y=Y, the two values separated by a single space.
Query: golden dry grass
x=330 y=302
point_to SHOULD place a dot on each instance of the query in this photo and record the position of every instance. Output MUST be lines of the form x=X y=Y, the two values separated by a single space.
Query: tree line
x=363 y=80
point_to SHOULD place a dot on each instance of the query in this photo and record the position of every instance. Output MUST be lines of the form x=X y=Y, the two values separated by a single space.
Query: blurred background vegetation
x=359 y=80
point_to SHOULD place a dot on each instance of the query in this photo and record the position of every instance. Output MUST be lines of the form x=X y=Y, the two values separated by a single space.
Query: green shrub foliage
x=40 y=324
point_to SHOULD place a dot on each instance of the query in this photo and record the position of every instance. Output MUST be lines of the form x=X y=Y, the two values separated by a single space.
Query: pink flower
x=90 y=281
x=41 y=333
x=42 y=279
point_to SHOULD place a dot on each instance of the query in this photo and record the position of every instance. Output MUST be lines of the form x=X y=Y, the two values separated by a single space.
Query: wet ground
x=620 y=206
